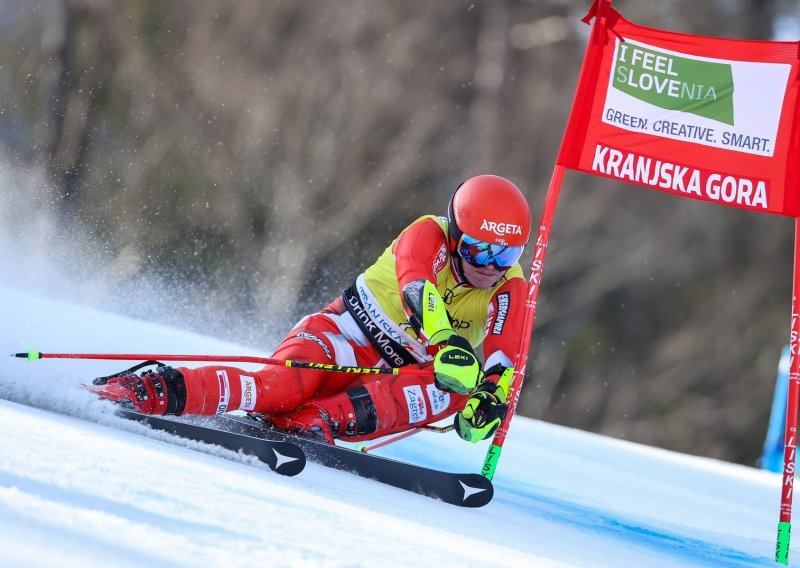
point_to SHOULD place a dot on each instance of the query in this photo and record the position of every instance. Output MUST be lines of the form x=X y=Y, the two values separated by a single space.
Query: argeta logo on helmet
x=501 y=228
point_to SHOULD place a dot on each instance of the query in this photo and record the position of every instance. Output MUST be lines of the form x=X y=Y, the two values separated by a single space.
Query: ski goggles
x=481 y=254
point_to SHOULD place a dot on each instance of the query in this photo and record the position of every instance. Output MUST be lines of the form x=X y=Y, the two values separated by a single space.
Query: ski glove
x=456 y=368
x=485 y=409
x=162 y=391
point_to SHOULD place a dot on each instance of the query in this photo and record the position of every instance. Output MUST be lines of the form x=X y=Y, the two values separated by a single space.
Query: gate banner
x=708 y=118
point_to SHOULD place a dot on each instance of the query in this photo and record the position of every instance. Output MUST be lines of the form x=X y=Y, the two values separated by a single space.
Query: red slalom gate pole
x=792 y=399
x=534 y=280
x=35 y=355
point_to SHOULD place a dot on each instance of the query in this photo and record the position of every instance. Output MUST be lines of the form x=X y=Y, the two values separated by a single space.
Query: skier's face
x=484 y=277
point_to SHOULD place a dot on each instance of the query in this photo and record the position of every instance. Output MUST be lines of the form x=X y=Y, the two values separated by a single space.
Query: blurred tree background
x=250 y=158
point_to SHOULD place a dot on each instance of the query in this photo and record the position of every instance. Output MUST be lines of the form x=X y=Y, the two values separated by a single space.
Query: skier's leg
x=215 y=389
x=368 y=410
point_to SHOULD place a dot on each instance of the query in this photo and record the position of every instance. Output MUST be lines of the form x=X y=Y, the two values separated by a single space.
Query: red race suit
x=368 y=326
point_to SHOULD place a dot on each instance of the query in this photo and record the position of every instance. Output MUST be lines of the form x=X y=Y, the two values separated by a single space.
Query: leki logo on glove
x=455 y=358
x=501 y=229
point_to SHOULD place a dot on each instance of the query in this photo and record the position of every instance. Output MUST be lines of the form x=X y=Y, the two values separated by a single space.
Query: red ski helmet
x=492 y=209
x=489 y=221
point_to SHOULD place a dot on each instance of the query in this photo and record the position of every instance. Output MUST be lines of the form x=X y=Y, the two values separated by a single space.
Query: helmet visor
x=481 y=254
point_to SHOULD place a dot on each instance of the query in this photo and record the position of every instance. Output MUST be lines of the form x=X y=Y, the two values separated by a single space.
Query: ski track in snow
x=80 y=486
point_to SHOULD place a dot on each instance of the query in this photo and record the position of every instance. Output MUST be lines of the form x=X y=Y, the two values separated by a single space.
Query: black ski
x=461 y=489
x=282 y=456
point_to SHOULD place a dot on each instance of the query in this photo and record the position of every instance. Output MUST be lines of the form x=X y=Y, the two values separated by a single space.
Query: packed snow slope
x=81 y=487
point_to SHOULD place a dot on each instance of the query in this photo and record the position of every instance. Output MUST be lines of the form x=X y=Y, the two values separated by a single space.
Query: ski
x=461 y=489
x=282 y=456
x=246 y=433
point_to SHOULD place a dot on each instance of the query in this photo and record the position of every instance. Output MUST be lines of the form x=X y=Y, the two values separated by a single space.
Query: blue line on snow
x=600 y=522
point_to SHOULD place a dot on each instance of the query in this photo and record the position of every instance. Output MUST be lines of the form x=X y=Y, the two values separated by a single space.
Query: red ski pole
x=35 y=355
x=438 y=429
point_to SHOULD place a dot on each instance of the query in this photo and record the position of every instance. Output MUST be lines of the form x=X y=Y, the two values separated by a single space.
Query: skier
x=441 y=288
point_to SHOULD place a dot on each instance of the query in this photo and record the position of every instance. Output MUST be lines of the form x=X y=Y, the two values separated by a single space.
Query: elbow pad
x=428 y=315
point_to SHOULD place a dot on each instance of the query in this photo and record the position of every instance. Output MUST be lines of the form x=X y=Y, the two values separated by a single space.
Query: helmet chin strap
x=460 y=270
x=459 y=262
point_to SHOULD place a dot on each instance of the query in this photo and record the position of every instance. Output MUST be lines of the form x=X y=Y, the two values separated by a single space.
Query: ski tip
x=30 y=355
x=477 y=490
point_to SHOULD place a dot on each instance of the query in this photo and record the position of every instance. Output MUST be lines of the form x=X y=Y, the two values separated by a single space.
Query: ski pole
x=438 y=429
x=332 y=368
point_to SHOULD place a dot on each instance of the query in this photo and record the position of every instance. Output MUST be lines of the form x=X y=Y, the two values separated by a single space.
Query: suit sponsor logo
x=441 y=259
x=317 y=340
x=503 y=301
x=249 y=393
x=380 y=330
x=448 y=296
x=224 y=391
x=415 y=400
x=440 y=399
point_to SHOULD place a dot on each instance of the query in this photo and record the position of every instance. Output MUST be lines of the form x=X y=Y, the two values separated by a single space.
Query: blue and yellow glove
x=485 y=409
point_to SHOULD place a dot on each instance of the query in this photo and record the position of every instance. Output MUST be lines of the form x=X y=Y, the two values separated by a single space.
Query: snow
x=81 y=487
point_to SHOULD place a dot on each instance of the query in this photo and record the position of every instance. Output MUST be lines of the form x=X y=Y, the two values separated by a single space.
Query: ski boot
x=162 y=391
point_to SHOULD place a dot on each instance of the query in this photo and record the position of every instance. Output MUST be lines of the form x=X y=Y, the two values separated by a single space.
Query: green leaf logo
x=704 y=88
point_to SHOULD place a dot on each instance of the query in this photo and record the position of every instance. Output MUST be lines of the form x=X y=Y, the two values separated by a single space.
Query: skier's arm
x=455 y=365
x=504 y=327
x=419 y=253
x=487 y=407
